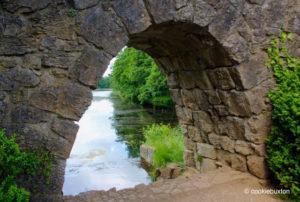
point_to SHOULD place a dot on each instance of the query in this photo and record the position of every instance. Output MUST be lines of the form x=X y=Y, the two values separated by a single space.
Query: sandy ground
x=222 y=185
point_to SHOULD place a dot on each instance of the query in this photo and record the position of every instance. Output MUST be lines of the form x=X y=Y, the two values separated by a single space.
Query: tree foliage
x=283 y=143
x=105 y=82
x=136 y=76
x=16 y=166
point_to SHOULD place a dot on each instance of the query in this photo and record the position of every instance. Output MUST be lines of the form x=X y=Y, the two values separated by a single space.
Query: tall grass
x=168 y=143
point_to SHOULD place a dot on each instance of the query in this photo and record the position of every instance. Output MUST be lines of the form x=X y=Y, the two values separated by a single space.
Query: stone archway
x=53 y=53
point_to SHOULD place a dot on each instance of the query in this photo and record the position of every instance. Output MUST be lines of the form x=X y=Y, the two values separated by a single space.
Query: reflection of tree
x=129 y=120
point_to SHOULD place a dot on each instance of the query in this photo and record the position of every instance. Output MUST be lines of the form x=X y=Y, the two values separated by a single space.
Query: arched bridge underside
x=53 y=53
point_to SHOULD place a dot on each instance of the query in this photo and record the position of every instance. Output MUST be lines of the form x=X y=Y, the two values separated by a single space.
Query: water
x=105 y=152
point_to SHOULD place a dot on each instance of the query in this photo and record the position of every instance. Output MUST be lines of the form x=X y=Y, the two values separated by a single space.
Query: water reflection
x=129 y=120
x=105 y=153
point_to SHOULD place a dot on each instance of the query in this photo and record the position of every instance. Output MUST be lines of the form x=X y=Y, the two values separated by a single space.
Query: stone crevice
x=146 y=4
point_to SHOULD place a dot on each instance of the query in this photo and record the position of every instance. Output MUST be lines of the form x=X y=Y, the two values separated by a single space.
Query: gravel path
x=215 y=186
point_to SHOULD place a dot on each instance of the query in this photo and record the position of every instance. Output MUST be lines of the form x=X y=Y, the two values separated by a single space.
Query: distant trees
x=137 y=78
x=105 y=82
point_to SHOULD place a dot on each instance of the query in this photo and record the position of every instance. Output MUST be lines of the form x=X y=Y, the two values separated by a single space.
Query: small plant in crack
x=199 y=159
x=72 y=13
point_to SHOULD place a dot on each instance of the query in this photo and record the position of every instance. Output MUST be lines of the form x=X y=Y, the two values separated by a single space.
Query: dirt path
x=222 y=185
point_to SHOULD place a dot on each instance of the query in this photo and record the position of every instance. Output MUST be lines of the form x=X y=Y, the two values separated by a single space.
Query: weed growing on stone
x=199 y=159
x=72 y=13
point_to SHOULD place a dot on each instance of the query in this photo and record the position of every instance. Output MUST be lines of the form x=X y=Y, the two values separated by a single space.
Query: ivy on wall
x=283 y=142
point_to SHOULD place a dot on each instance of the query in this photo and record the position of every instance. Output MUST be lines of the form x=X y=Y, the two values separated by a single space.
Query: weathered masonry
x=53 y=52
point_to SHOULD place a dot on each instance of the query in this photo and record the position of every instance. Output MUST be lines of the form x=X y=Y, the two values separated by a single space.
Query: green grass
x=168 y=143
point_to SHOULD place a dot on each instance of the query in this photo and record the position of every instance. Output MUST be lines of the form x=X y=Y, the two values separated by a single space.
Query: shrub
x=283 y=142
x=168 y=143
x=16 y=165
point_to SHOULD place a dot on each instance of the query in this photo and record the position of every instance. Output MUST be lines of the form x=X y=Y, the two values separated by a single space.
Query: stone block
x=176 y=96
x=162 y=11
x=189 y=144
x=188 y=157
x=65 y=128
x=3 y=105
x=59 y=146
x=192 y=79
x=184 y=115
x=201 y=99
x=221 y=79
x=90 y=67
x=184 y=130
x=17 y=77
x=78 y=4
x=250 y=74
x=65 y=98
x=207 y=165
x=146 y=153
x=184 y=11
x=171 y=171
x=27 y=114
x=243 y=147
x=58 y=60
x=13 y=46
x=258 y=166
x=259 y=2
x=233 y=127
x=259 y=150
x=194 y=134
x=237 y=103
x=204 y=13
x=10 y=62
x=257 y=98
x=213 y=97
x=172 y=80
x=135 y=16
x=189 y=100
x=223 y=142
x=258 y=128
x=224 y=157
x=238 y=162
x=206 y=150
x=27 y=5
x=203 y=121
x=97 y=29
x=221 y=110
x=33 y=61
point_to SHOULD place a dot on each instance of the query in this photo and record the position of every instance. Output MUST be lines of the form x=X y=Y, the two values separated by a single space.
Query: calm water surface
x=105 y=152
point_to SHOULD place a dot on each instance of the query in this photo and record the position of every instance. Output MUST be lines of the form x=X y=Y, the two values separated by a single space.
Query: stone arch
x=211 y=51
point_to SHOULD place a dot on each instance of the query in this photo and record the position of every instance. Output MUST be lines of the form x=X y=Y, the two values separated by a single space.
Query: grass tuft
x=168 y=143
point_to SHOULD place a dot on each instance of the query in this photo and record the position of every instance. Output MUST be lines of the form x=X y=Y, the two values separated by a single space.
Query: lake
x=106 y=150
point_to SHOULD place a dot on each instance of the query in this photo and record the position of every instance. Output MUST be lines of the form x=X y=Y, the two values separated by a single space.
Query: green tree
x=137 y=78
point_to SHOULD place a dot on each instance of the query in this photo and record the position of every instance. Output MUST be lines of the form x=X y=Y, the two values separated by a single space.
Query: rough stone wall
x=211 y=50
